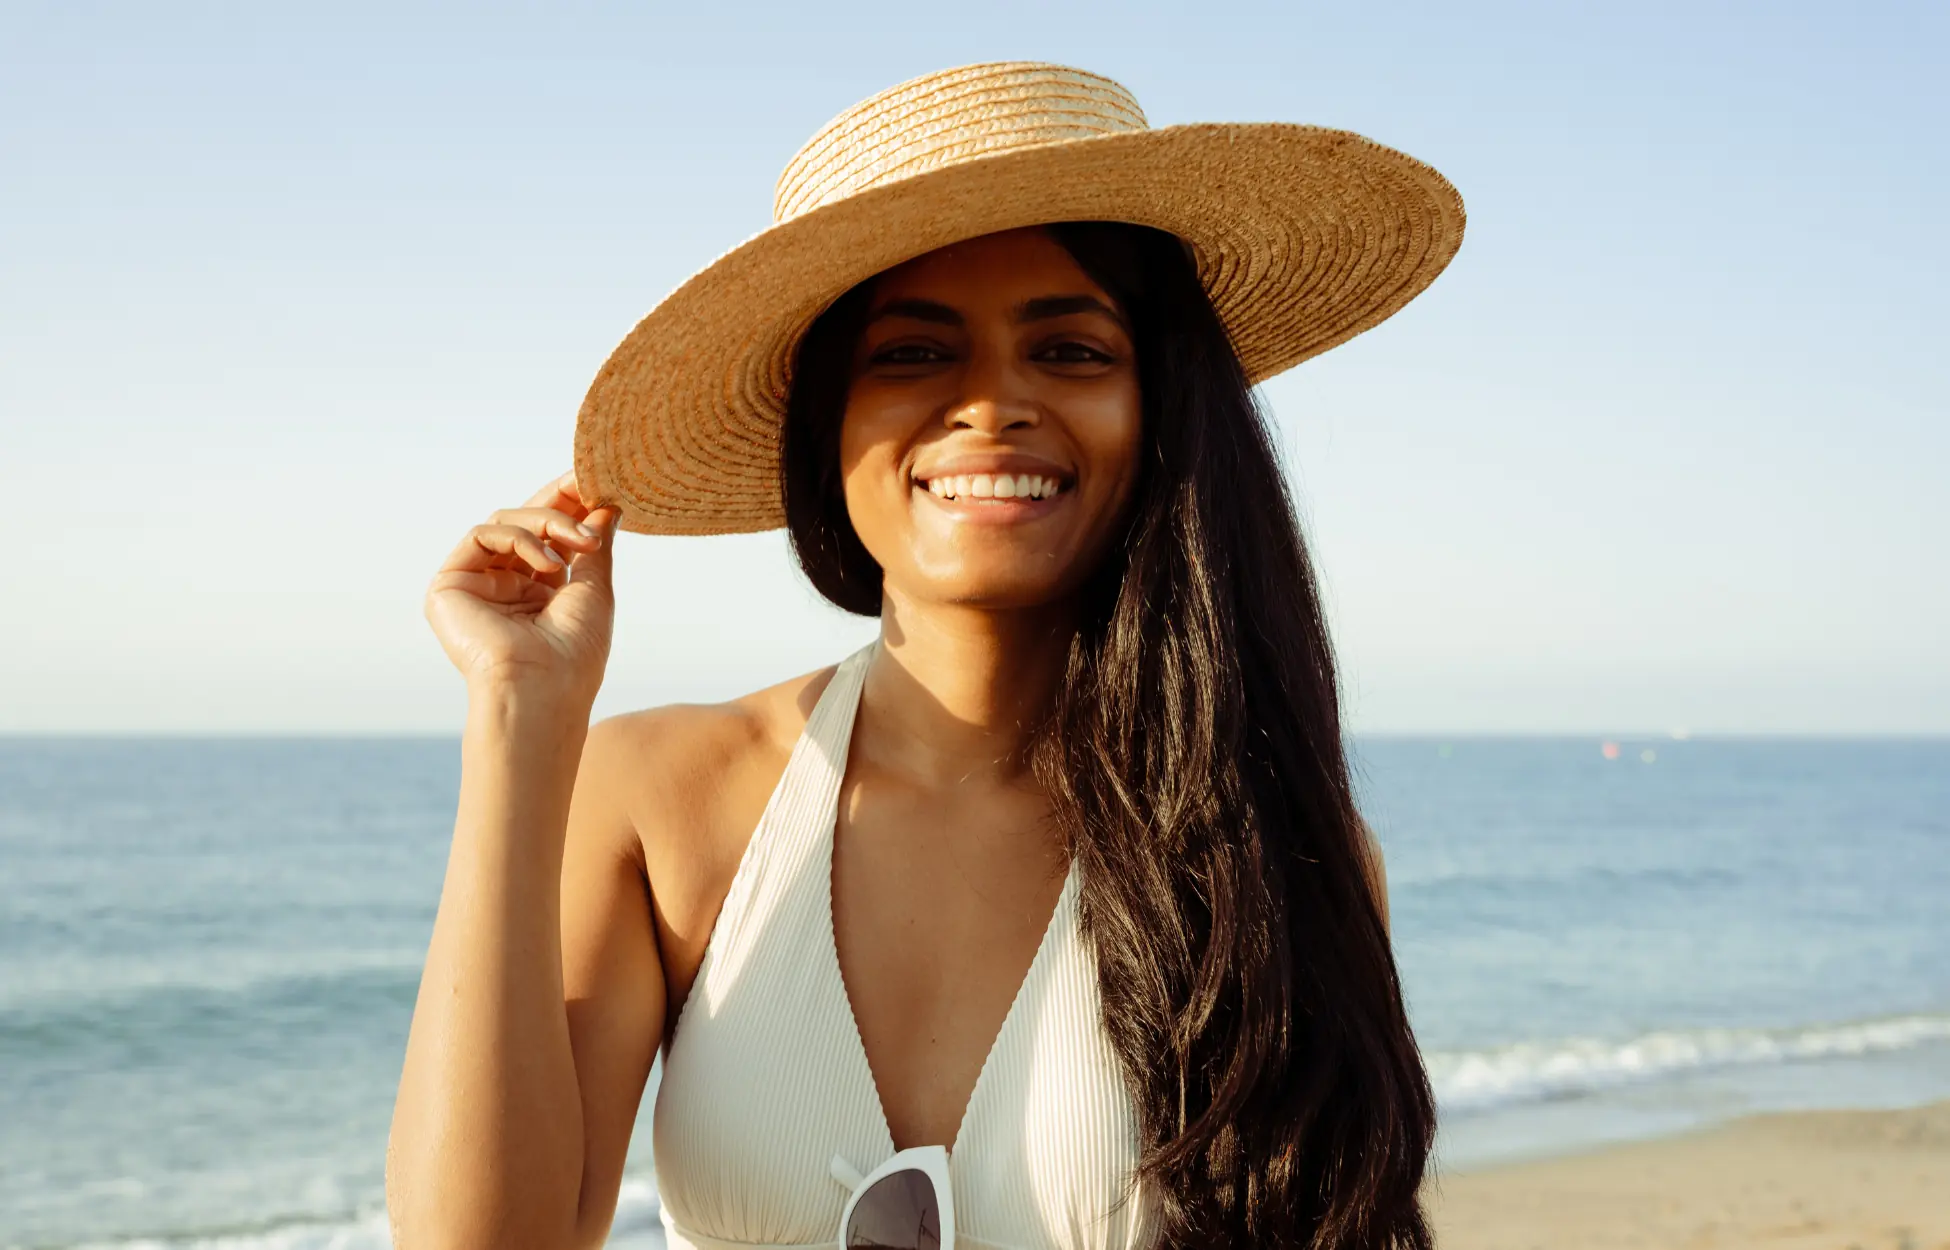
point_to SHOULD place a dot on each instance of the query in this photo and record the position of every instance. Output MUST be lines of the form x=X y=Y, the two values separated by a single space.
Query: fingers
x=562 y=495
x=525 y=554
x=507 y=587
x=503 y=546
x=558 y=528
x=592 y=567
x=544 y=525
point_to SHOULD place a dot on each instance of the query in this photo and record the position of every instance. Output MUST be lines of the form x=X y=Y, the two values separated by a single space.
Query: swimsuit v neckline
x=766 y=1078
x=1063 y=913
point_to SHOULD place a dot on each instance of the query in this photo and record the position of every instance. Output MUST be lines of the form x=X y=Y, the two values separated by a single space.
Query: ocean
x=209 y=950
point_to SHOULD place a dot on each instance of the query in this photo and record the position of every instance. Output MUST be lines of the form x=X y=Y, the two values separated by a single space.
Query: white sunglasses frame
x=931 y=1161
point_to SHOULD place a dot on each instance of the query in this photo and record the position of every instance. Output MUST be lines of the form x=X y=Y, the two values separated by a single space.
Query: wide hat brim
x=1304 y=237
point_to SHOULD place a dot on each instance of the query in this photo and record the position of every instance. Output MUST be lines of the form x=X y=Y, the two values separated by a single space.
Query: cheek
x=1110 y=438
x=872 y=443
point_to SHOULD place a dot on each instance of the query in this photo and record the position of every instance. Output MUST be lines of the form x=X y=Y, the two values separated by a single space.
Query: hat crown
x=946 y=118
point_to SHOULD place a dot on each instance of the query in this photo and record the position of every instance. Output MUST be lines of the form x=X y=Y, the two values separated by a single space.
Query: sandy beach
x=1852 y=1180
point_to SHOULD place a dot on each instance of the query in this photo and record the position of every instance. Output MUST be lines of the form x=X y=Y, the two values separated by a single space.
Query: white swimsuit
x=766 y=1080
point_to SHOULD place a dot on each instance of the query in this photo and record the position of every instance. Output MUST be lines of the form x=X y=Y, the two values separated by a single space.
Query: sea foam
x=1477 y=1080
x=634 y=1228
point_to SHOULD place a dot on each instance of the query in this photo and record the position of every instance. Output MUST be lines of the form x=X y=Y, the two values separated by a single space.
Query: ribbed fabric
x=766 y=1079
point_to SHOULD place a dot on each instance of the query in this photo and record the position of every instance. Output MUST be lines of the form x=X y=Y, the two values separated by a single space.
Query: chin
x=994 y=589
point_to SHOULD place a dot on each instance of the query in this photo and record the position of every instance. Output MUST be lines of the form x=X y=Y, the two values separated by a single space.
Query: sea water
x=209 y=951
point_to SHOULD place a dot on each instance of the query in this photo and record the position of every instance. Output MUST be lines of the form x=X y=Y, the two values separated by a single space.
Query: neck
x=956 y=692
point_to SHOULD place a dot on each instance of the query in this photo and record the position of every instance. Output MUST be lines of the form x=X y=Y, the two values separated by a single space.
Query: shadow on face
x=992 y=426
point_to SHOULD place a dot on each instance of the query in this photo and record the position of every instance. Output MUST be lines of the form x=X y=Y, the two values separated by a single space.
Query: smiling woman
x=1046 y=919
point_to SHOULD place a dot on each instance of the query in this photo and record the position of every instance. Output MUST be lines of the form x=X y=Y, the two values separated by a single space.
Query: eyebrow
x=916 y=310
x=1048 y=306
x=1042 y=308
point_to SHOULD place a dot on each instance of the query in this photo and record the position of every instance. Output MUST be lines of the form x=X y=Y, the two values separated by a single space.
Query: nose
x=993 y=397
x=991 y=415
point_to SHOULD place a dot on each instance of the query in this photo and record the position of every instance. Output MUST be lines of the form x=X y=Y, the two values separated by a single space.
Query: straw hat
x=1304 y=237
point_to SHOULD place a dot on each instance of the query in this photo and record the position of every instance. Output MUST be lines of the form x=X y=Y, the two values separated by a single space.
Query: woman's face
x=990 y=442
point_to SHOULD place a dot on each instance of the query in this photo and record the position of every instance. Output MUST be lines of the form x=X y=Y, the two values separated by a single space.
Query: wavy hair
x=1195 y=762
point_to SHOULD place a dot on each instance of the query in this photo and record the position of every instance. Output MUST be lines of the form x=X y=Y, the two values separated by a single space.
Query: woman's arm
x=541 y=1002
x=541 y=1005
x=612 y=972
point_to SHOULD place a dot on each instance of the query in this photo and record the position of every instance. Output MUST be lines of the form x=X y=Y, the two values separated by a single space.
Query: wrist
x=529 y=714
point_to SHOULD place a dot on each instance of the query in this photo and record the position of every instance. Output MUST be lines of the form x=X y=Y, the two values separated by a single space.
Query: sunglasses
x=904 y=1204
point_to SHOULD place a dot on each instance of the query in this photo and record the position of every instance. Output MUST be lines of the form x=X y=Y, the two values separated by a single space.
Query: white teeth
x=994 y=486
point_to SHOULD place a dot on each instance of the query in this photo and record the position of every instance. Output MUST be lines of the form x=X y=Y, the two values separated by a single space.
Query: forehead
x=1004 y=268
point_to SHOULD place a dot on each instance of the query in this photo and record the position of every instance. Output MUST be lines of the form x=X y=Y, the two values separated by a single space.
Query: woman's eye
x=908 y=354
x=1073 y=353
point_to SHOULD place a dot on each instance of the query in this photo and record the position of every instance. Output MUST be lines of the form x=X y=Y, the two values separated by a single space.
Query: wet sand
x=1867 y=1180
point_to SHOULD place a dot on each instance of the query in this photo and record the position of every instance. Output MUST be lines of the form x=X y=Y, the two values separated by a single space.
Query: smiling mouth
x=994 y=486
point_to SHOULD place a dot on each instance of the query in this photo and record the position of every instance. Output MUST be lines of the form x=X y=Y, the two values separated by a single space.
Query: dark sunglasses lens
x=898 y=1213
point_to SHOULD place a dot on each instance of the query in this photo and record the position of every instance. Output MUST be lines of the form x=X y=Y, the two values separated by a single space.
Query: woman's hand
x=524 y=602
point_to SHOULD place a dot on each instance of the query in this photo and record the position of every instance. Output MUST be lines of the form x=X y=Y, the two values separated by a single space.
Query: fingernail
x=586 y=531
x=550 y=553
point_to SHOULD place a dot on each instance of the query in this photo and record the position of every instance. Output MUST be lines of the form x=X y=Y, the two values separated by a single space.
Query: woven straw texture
x=1304 y=238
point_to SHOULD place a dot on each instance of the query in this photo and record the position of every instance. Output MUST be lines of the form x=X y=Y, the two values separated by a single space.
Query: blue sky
x=290 y=296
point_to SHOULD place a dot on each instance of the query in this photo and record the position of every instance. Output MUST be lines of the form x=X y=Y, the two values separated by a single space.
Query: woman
x=1046 y=919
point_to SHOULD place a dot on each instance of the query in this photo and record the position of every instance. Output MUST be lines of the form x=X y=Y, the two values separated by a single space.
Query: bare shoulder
x=693 y=779
x=672 y=764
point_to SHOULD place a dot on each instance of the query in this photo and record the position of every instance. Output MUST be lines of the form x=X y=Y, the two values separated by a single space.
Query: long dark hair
x=1195 y=761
